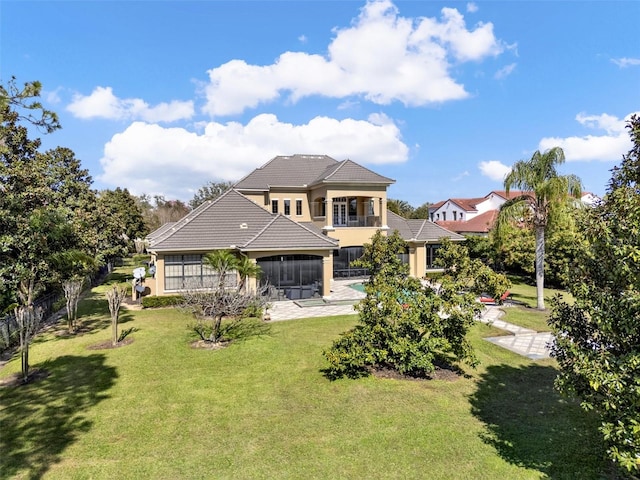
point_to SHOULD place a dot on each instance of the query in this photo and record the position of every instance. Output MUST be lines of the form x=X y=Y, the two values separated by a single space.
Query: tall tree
x=597 y=339
x=209 y=191
x=169 y=210
x=545 y=193
x=22 y=103
x=118 y=221
x=43 y=196
x=422 y=211
x=400 y=207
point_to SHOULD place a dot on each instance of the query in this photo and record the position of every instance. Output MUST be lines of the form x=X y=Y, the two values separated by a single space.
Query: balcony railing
x=357 y=221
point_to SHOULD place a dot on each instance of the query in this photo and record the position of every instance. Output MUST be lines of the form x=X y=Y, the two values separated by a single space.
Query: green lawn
x=523 y=292
x=262 y=409
x=525 y=314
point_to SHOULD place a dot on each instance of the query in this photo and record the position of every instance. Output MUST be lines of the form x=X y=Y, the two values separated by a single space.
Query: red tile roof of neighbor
x=469 y=204
x=480 y=224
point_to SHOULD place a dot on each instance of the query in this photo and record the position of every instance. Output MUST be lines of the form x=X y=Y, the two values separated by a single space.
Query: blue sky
x=443 y=97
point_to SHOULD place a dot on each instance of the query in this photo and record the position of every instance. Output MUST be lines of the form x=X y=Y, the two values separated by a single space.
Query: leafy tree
x=118 y=221
x=169 y=210
x=210 y=191
x=42 y=202
x=22 y=103
x=400 y=207
x=546 y=193
x=404 y=325
x=422 y=211
x=480 y=247
x=514 y=249
x=158 y=210
x=74 y=267
x=597 y=339
x=211 y=303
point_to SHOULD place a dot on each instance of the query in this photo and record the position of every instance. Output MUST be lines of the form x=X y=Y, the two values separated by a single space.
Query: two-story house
x=302 y=218
x=472 y=216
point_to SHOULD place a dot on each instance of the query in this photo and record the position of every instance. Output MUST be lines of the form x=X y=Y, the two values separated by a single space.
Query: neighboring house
x=303 y=219
x=476 y=216
x=590 y=199
x=470 y=216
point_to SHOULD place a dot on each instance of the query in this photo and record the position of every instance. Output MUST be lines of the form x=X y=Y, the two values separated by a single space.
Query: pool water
x=358 y=286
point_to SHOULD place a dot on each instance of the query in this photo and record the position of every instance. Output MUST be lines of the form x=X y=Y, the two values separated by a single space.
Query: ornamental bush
x=160 y=302
x=404 y=325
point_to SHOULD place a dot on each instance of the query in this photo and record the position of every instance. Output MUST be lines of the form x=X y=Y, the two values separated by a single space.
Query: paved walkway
x=523 y=341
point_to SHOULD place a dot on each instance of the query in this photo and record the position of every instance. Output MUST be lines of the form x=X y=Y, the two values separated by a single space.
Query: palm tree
x=247 y=268
x=221 y=262
x=543 y=191
x=225 y=261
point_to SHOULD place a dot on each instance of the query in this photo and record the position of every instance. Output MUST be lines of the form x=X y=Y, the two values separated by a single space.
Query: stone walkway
x=523 y=341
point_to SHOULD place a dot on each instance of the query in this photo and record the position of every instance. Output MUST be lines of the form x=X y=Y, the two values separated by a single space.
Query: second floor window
x=274 y=206
x=299 y=207
x=287 y=207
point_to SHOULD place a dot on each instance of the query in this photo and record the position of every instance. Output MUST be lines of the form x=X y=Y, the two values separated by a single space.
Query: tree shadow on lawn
x=531 y=425
x=41 y=419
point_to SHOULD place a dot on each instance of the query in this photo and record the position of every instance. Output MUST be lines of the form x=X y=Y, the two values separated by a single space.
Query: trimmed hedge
x=158 y=302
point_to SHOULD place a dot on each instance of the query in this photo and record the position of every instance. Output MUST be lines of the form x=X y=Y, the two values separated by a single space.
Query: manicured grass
x=527 y=317
x=262 y=409
x=525 y=293
x=525 y=314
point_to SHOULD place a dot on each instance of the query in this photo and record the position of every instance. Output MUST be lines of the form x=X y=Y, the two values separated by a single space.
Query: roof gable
x=230 y=220
x=286 y=171
x=348 y=171
x=234 y=221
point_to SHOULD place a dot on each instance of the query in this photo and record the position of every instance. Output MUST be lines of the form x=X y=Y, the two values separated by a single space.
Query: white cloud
x=606 y=147
x=472 y=7
x=505 y=71
x=52 y=96
x=626 y=62
x=102 y=103
x=494 y=169
x=461 y=176
x=382 y=57
x=175 y=162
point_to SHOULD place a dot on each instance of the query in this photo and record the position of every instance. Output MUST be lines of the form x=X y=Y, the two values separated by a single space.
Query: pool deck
x=339 y=302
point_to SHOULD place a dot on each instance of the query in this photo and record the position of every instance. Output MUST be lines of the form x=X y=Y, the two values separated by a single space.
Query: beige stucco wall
x=352 y=237
x=156 y=285
x=417 y=259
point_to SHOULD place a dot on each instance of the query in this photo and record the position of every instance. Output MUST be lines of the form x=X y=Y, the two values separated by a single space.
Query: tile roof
x=287 y=171
x=479 y=224
x=466 y=204
x=232 y=220
x=305 y=170
x=348 y=171
x=282 y=233
x=159 y=232
x=421 y=230
x=470 y=204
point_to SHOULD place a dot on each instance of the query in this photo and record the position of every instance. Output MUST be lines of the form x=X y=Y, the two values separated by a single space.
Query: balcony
x=357 y=221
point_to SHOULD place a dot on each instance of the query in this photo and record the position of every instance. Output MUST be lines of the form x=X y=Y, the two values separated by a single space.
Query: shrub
x=160 y=302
